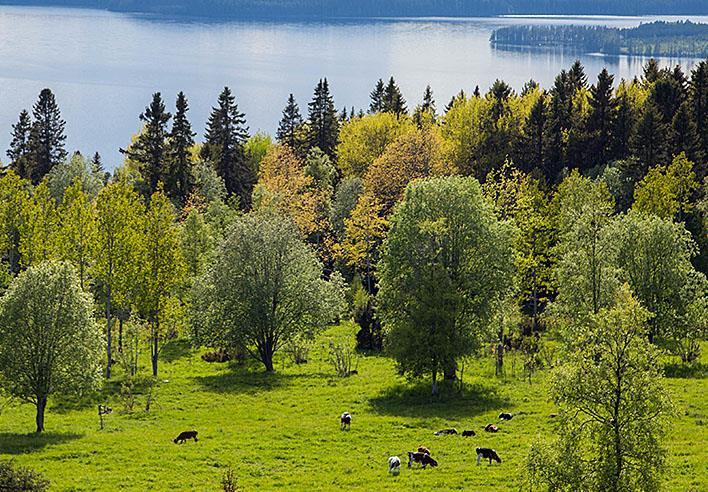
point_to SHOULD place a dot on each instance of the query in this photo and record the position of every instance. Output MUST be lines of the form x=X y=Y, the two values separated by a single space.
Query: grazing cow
x=446 y=432
x=422 y=458
x=491 y=428
x=183 y=436
x=487 y=454
x=553 y=415
x=505 y=416
x=345 y=421
x=394 y=465
x=424 y=450
x=468 y=433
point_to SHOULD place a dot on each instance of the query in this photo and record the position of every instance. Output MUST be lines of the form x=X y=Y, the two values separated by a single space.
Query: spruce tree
x=393 y=99
x=622 y=128
x=224 y=147
x=667 y=95
x=323 y=128
x=601 y=118
x=477 y=92
x=651 y=71
x=649 y=142
x=97 y=168
x=684 y=135
x=428 y=101
x=180 y=143
x=557 y=125
x=535 y=129
x=377 y=98
x=46 y=142
x=19 y=152
x=289 y=124
x=576 y=77
x=150 y=148
x=698 y=97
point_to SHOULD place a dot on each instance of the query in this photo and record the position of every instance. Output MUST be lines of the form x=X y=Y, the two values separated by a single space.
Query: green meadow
x=281 y=430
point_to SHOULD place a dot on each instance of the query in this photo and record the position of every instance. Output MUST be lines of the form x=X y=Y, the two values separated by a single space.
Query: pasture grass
x=281 y=430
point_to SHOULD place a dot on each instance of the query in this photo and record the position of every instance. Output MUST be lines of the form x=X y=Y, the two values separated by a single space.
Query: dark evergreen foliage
x=19 y=152
x=377 y=97
x=180 y=143
x=46 y=140
x=290 y=123
x=323 y=125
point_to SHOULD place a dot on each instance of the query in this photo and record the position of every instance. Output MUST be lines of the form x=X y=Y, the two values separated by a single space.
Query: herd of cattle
x=422 y=455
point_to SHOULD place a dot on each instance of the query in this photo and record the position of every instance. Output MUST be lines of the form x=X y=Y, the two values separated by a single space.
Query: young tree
x=162 y=268
x=46 y=141
x=613 y=409
x=115 y=250
x=323 y=126
x=224 y=147
x=77 y=233
x=445 y=264
x=14 y=202
x=19 y=151
x=150 y=148
x=49 y=341
x=65 y=174
x=289 y=124
x=666 y=190
x=39 y=227
x=264 y=289
x=179 y=153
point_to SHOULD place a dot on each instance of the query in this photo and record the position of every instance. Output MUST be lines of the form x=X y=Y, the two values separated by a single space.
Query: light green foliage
x=77 y=232
x=654 y=256
x=63 y=175
x=162 y=268
x=256 y=148
x=208 y=185
x=614 y=407
x=345 y=199
x=666 y=190
x=264 y=288
x=464 y=130
x=197 y=242
x=319 y=167
x=39 y=227
x=445 y=265
x=49 y=341
x=14 y=200
x=586 y=276
x=363 y=139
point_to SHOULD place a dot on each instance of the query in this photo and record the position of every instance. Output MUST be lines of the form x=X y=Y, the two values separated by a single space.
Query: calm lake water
x=104 y=66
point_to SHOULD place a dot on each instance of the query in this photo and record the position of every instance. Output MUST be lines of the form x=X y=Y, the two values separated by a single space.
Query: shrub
x=20 y=478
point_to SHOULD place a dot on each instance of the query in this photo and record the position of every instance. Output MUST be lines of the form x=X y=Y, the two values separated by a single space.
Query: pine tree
x=649 y=142
x=322 y=118
x=224 y=147
x=46 y=142
x=377 y=98
x=150 y=148
x=19 y=152
x=601 y=118
x=289 y=124
x=180 y=143
x=393 y=99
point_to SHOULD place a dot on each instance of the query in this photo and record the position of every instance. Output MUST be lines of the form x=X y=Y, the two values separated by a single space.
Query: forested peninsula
x=652 y=39
x=377 y=8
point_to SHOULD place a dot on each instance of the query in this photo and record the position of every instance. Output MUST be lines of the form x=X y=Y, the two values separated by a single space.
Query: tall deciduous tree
x=613 y=409
x=115 y=251
x=46 y=142
x=14 y=201
x=39 y=227
x=264 y=289
x=445 y=264
x=49 y=342
x=224 y=147
x=179 y=153
x=76 y=236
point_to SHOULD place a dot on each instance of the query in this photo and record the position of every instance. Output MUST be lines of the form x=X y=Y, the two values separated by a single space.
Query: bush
x=343 y=359
x=369 y=336
x=21 y=478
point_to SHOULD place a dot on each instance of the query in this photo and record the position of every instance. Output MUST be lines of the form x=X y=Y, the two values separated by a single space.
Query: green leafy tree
x=76 y=236
x=446 y=263
x=197 y=243
x=666 y=191
x=49 y=342
x=613 y=409
x=224 y=148
x=39 y=227
x=115 y=251
x=345 y=199
x=14 y=201
x=46 y=140
x=65 y=174
x=264 y=288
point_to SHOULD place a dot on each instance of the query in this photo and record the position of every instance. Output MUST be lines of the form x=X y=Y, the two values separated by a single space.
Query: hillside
x=377 y=8
x=282 y=430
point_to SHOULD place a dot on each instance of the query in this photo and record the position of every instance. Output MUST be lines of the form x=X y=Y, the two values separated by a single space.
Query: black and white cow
x=345 y=421
x=505 y=416
x=394 y=465
x=422 y=458
x=487 y=454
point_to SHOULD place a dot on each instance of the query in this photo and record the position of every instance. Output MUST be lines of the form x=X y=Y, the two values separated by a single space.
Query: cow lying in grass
x=184 y=436
x=468 y=433
x=394 y=465
x=487 y=454
x=422 y=458
x=505 y=416
x=345 y=421
x=446 y=432
x=491 y=428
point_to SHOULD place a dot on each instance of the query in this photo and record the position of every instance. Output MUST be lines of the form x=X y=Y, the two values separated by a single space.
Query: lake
x=104 y=66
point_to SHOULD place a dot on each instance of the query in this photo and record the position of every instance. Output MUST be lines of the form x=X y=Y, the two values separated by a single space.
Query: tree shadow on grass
x=415 y=400
x=176 y=349
x=14 y=443
x=251 y=378
x=686 y=371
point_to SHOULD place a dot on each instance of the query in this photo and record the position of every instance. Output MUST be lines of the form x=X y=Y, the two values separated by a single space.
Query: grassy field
x=282 y=430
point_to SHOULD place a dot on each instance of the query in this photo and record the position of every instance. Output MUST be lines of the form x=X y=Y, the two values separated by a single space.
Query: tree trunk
x=435 y=390
x=41 y=407
x=154 y=346
x=267 y=353
x=120 y=334
x=108 y=333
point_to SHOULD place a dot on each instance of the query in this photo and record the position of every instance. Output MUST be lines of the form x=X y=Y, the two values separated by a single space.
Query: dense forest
x=500 y=219
x=651 y=39
x=378 y=8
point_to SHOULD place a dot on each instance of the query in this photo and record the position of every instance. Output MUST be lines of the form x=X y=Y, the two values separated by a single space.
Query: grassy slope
x=282 y=430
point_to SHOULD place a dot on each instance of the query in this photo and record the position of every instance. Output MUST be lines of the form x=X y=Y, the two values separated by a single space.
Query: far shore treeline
x=496 y=221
